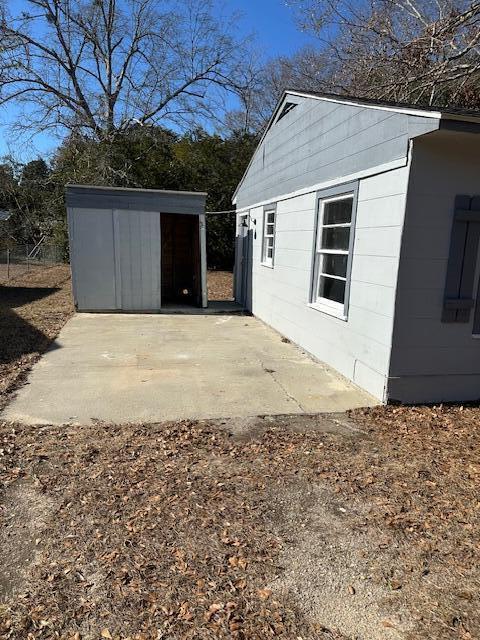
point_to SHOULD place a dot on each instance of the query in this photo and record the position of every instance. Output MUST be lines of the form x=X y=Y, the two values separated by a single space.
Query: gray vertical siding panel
x=93 y=260
x=139 y=236
x=319 y=141
x=202 y=237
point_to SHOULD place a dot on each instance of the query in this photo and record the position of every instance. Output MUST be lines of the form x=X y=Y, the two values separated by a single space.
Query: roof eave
x=434 y=114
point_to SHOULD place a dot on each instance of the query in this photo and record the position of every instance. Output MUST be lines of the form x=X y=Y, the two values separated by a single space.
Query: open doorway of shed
x=181 y=275
x=181 y=269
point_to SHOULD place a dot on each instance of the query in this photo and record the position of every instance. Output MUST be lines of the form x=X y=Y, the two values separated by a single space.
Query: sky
x=274 y=24
x=271 y=21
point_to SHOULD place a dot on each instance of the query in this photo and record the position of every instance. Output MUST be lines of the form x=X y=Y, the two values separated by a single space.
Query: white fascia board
x=410 y=111
x=270 y=122
x=406 y=110
x=438 y=115
x=365 y=173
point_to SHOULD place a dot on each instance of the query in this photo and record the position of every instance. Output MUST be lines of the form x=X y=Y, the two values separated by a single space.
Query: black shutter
x=462 y=260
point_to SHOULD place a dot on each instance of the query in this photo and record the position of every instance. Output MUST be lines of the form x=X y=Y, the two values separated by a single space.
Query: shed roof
x=92 y=197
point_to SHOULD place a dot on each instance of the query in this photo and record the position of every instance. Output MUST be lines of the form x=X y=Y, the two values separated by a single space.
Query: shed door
x=93 y=259
x=180 y=259
x=137 y=259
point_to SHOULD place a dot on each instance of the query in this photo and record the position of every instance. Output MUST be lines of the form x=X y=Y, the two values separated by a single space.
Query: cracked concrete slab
x=130 y=368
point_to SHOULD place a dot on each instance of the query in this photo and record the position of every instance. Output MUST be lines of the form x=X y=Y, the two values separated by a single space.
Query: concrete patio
x=132 y=368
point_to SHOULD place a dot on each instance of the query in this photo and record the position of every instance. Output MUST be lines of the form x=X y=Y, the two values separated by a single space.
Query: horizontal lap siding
x=431 y=360
x=360 y=347
x=319 y=141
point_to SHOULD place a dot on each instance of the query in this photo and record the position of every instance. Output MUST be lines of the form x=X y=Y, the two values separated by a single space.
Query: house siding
x=319 y=141
x=359 y=347
x=431 y=360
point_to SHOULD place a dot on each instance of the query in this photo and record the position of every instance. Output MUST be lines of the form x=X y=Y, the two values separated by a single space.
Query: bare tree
x=99 y=66
x=307 y=69
x=419 y=51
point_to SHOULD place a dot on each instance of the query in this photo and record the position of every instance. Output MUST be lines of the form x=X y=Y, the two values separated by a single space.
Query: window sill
x=266 y=264
x=330 y=311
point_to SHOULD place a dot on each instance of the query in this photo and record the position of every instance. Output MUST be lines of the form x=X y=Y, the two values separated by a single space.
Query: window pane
x=332 y=289
x=335 y=264
x=335 y=238
x=270 y=217
x=338 y=211
x=270 y=252
x=270 y=228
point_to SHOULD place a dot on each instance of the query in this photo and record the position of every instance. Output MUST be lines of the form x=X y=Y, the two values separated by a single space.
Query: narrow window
x=333 y=250
x=268 y=243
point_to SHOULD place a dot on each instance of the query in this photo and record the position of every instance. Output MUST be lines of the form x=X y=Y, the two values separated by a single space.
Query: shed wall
x=92 y=257
x=320 y=140
x=359 y=347
x=137 y=258
x=116 y=259
x=434 y=361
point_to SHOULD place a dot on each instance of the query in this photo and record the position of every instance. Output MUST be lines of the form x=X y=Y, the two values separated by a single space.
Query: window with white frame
x=268 y=242
x=333 y=251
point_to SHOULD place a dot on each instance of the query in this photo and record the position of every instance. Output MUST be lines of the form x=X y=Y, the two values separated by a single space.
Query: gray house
x=358 y=232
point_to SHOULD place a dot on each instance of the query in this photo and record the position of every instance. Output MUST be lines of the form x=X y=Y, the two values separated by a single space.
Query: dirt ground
x=220 y=285
x=364 y=526
x=34 y=306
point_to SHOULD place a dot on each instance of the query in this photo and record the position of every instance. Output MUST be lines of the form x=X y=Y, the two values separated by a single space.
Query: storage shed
x=136 y=250
x=358 y=232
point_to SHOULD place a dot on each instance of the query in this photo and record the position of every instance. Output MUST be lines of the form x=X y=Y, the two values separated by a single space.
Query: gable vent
x=288 y=106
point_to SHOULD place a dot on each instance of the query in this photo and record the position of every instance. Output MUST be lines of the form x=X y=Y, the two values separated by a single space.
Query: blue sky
x=271 y=21
x=274 y=24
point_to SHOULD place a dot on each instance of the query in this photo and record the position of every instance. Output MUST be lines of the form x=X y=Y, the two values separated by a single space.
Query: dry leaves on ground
x=220 y=285
x=175 y=530
x=155 y=530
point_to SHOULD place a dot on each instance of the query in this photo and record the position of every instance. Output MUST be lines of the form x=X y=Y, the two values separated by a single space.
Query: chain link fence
x=21 y=258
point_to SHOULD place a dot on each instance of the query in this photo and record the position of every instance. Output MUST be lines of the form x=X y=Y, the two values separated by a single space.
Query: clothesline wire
x=217 y=213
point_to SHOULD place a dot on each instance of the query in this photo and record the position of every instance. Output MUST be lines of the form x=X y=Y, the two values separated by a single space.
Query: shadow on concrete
x=17 y=336
x=215 y=307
